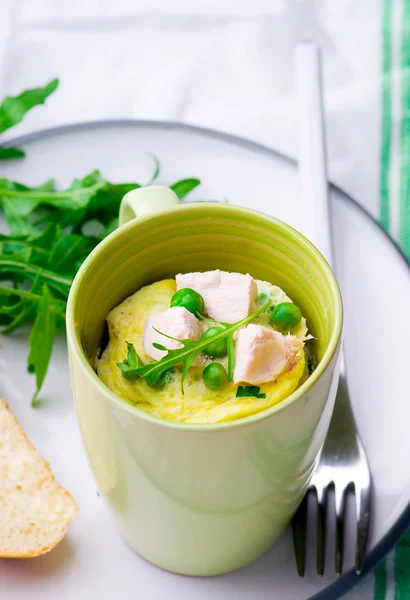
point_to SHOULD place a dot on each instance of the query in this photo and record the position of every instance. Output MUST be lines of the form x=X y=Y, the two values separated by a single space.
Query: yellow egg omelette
x=198 y=404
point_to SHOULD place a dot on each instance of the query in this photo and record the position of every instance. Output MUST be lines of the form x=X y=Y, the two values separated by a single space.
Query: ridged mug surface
x=203 y=499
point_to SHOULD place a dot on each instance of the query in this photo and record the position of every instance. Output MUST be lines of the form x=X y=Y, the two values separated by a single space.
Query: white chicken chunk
x=262 y=354
x=228 y=297
x=177 y=322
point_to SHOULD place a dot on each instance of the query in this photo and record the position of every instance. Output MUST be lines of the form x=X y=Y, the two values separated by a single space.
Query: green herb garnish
x=190 y=350
x=42 y=338
x=184 y=187
x=13 y=109
x=249 y=391
x=6 y=153
x=262 y=298
x=51 y=233
x=131 y=363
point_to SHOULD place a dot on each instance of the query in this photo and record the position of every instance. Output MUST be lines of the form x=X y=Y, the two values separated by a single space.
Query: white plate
x=93 y=562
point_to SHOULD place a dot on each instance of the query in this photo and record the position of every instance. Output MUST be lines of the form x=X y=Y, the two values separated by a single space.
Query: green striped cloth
x=392 y=575
x=391 y=578
x=395 y=140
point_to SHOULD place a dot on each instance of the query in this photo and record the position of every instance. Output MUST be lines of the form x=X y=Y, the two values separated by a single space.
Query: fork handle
x=316 y=206
x=312 y=148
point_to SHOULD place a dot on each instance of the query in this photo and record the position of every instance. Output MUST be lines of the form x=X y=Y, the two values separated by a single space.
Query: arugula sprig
x=153 y=371
x=51 y=233
x=13 y=109
x=46 y=245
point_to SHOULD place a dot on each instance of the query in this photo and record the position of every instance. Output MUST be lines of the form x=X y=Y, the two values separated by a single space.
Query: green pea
x=285 y=316
x=218 y=348
x=189 y=299
x=215 y=377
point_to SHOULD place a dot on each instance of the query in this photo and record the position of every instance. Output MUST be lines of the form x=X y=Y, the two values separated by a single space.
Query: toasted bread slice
x=34 y=509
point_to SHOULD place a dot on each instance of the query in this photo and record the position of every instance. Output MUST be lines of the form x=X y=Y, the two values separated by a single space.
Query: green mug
x=201 y=499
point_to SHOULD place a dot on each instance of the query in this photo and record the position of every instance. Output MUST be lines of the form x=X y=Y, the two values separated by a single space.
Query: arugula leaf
x=7 y=153
x=41 y=339
x=35 y=248
x=22 y=270
x=19 y=307
x=111 y=226
x=105 y=204
x=85 y=199
x=23 y=198
x=13 y=109
x=231 y=357
x=17 y=223
x=132 y=362
x=249 y=391
x=45 y=240
x=67 y=252
x=183 y=187
x=159 y=346
x=16 y=315
x=75 y=197
x=157 y=170
x=153 y=371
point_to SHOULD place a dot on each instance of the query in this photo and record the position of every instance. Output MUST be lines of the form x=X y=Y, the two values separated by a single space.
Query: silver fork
x=343 y=466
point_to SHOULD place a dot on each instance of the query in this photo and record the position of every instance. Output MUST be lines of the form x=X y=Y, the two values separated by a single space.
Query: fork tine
x=340 y=503
x=299 y=524
x=321 y=529
x=363 y=525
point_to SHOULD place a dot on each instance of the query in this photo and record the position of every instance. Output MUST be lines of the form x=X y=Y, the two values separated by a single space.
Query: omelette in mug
x=204 y=406
x=228 y=375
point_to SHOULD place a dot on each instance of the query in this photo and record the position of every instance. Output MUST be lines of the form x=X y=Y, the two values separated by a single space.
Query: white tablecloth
x=218 y=63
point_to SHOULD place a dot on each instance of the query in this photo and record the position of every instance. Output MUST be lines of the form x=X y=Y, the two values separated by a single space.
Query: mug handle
x=146 y=201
